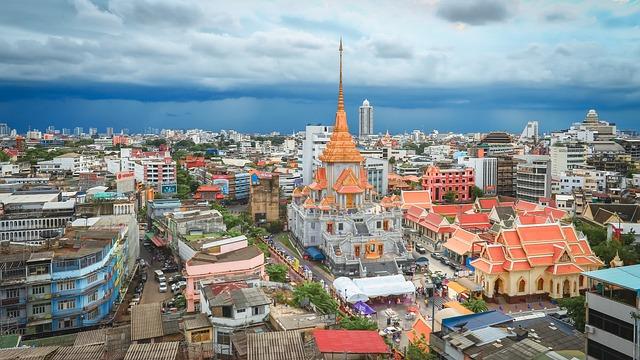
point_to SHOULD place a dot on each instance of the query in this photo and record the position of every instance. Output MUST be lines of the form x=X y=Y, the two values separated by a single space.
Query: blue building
x=242 y=185
x=74 y=282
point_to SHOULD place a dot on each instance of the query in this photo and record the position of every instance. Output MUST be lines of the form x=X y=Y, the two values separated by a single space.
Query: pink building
x=221 y=259
x=440 y=181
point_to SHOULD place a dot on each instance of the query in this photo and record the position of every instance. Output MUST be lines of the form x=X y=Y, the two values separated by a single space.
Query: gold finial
x=340 y=92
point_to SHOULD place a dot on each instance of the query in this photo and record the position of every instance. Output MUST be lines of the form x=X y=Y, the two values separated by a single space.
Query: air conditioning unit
x=589 y=329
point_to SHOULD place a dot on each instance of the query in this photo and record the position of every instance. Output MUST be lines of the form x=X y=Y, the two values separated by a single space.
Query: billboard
x=223 y=184
x=125 y=181
x=169 y=188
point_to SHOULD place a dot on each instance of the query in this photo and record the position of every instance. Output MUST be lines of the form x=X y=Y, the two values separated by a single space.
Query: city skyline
x=443 y=65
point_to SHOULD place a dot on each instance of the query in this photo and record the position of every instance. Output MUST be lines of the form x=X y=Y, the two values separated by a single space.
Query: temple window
x=540 y=284
x=521 y=285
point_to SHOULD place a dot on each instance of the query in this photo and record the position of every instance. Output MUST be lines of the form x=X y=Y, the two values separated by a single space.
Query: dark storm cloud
x=474 y=12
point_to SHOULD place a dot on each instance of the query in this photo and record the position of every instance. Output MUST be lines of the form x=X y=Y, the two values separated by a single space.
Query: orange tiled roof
x=320 y=179
x=564 y=269
x=421 y=198
x=347 y=183
x=451 y=210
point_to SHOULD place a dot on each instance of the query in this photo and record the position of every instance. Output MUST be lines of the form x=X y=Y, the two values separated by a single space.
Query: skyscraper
x=366 y=119
x=78 y=131
x=93 y=131
x=109 y=132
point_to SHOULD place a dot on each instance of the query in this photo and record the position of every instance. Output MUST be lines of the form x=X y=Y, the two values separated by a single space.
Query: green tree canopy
x=450 y=197
x=313 y=292
x=476 y=192
x=475 y=305
x=419 y=350
x=575 y=310
x=277 y=272
x=358 y=323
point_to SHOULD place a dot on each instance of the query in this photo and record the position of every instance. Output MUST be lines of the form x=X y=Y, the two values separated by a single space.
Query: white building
x=567 y=156
x=530 y=132
x=315 y=141
x=378 y=174
x=533 y=177
x=155 y=169
x=365 y=122
x=486 y=170
x=72 y=162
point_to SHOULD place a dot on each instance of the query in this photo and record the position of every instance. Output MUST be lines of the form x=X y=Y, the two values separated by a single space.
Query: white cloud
x=237 y=44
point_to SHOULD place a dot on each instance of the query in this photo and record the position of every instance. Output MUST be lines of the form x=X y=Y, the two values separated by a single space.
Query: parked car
x=436 y=256
x=158 y=274
x=131 y=305
x=420 y=249
x=162 y=279
x=445 y=261
x=163 y=287
x=179 y=286
x=455 y=267
x=170 y=268
x=389 y=331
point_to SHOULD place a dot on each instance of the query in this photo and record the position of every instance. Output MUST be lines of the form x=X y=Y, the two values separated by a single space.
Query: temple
x=337 y=213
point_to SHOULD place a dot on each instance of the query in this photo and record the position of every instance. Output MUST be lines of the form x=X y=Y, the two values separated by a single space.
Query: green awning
x=149 y=234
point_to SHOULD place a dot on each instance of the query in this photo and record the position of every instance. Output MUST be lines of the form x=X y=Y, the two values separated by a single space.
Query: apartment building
x=70 y=283
x=533 y=177
x=69 y=162
x=34 y=215
x=613 y=304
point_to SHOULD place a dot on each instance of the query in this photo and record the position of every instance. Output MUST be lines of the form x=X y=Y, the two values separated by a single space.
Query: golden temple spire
x=340 y=92
x=341 y=147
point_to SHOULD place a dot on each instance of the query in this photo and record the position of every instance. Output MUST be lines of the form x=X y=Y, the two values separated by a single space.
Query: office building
x=533 y=177
x=109 y=132
x=365 y=122
x=612 y=306
x=78 y=131
x=567 y=156
x=378 y=174
x=93 y=131
x=530 y=132
x=486 y=170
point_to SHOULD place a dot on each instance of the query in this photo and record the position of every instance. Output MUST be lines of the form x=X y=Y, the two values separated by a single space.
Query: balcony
x=11 y=301
x=39 y=317
x=39 y=297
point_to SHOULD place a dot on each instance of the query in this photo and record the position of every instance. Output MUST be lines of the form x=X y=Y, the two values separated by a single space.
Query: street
x=315 y=267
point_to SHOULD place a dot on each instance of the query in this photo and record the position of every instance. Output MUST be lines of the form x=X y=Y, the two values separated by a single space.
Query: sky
x=261 y=66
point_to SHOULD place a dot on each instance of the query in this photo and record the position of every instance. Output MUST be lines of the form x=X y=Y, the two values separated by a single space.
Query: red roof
x=421 y=198
x=203 y=188
x=350 y=342
x=451 y=210
x=488 y=203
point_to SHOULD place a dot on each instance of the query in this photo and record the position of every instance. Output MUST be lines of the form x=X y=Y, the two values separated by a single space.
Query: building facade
x=264 y=202
x=315 y=141
x=486 y=171
x=567 y=156
x=439 y=182
x=533 y=177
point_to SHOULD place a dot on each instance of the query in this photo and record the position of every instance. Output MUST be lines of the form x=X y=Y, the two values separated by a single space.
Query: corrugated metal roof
x=197 y=322
x=624 y=276
x=275 y=346
x=146 y=321
x=156 y=351
x=34 y=353
x=98 y=336
x=91 y=352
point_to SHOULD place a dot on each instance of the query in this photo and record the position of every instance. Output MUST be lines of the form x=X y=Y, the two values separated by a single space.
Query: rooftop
x=155 y=351
x=624 y=276
x=146 y=322
x=275 y=346
x=350 y=342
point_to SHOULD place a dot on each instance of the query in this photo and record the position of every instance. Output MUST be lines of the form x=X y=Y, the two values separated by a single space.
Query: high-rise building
x=533 y=177
x=567 y=156
x=109 y=132
x=66 y=131
x=366 y=119
x=93 y=131
x=315 y=141
x=4 y=129
x=78 y=131
x=51 y=129
x=506 y=180
x=530 y=132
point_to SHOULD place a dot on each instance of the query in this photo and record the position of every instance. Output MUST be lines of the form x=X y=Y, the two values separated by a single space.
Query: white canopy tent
x=384 y=286
x=348 y=290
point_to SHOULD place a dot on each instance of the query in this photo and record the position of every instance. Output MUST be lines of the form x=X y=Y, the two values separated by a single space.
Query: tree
x=419 y=350
x=156 y=142
x=313 y=293
x=475 y=305
x=476 y=192
x=358 y=323
x=450 y=197
x=3 y=156
x=277 y=272
x=575 y=310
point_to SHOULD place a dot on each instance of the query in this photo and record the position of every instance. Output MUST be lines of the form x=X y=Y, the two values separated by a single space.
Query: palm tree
x=476 y=305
